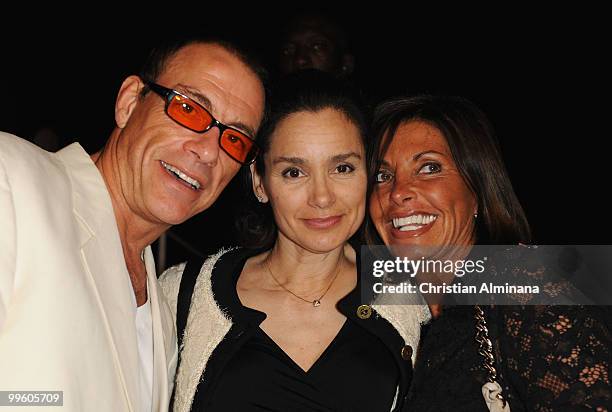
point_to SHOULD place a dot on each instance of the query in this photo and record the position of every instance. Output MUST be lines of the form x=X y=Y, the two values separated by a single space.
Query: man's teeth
x=413 y=222
x=194 y=183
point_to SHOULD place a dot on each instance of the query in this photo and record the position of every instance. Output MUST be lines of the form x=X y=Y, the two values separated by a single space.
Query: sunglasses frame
x=169 y=94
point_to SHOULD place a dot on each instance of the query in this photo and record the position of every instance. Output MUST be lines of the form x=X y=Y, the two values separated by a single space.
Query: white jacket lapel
x=103 y=260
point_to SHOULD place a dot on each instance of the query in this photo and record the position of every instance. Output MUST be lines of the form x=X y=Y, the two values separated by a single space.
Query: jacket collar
x=103 y=261
x=226 y=295
x=224 y=287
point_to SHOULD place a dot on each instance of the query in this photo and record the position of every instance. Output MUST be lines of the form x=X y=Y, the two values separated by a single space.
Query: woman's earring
x=259 y=199
x=476 y=215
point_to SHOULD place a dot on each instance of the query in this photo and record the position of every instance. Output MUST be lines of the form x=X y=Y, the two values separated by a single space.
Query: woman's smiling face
x=420 y=197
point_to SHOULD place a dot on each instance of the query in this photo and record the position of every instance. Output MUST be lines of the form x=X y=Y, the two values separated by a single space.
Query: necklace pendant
x=316 y=303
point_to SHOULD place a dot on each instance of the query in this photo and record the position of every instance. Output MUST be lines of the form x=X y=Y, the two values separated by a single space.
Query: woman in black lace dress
x=439 y=180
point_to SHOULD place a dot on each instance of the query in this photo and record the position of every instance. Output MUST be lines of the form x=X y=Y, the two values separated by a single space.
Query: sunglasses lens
x=194 y=117
x=238 y=146
x=189 y=114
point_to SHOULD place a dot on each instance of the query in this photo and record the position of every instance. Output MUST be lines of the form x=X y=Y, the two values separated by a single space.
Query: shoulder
x=555 y=323
x=402 y=307
x=19 y=156
x=406 y=320
x=26 y=166
x=170 y=280
x=418 y=313
x=12 y=144
x=38 y=183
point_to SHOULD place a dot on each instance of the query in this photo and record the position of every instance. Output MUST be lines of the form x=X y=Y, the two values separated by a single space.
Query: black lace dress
x=549 y=358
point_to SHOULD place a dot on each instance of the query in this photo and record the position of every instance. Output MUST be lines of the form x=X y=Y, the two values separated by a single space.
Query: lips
x=413 y=222
x=181 y=176
x=322 y=223
x=412 y=225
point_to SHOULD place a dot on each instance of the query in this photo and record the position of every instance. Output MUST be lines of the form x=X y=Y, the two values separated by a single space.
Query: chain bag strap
x=491 y=390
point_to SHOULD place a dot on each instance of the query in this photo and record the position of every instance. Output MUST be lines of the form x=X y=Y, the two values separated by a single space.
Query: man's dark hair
x=159 y=57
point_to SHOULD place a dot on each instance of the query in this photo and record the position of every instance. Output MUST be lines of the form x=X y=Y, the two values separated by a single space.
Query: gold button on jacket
x=407 y=352
x=364 y=312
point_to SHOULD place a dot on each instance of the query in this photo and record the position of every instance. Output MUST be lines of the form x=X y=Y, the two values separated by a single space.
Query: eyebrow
x=414 y=158
x=344 y=156
x=419 y=155
x=301 y=161
x=205 y=101
x=294 y=160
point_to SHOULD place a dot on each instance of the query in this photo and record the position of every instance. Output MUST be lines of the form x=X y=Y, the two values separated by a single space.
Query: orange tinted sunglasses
x=193 y=116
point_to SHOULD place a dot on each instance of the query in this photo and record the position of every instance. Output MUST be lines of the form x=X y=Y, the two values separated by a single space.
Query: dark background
x=541 y=77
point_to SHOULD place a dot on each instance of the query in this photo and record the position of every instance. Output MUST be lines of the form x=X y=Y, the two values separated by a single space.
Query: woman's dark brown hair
x=305 y=91
x=476 y=153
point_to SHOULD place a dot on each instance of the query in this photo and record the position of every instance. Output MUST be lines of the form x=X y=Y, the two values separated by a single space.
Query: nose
x=205 y=146
x=302 y=58
x=322 y=194
x=402 y=192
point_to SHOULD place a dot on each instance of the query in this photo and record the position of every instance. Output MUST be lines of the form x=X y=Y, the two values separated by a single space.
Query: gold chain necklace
x=316 y=302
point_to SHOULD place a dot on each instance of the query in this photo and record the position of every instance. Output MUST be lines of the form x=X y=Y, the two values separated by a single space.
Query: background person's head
x=161 y=170
x=438 y=177
x=315 y=41
x=310 y=175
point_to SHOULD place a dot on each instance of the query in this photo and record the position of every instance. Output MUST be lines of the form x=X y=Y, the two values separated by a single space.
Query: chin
x=325 y=245
x=174 y=212
x=174 y=220
x=173 y=216
x=407 y=247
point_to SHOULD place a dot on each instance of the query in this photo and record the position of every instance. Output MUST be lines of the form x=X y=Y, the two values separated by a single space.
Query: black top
x=271 y=381
x=359 y=371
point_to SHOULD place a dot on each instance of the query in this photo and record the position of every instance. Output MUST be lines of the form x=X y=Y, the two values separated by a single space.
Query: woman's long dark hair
x=476 y=153
x=305 y=91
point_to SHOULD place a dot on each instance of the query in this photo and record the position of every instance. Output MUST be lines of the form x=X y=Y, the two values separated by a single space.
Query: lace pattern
x=550 y=358
x=558 y=357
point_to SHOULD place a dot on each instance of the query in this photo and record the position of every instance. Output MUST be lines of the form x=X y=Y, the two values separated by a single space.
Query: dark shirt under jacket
x=248 y=371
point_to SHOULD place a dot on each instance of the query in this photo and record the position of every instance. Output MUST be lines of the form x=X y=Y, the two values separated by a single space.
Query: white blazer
x=67 y=319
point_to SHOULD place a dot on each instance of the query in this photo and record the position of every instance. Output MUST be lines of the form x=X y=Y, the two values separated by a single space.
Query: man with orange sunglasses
x=82 y=321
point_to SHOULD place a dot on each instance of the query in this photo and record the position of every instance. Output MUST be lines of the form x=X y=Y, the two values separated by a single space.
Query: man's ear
x=127 y=99
x=258 y=187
